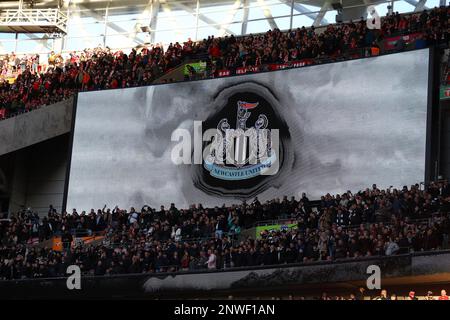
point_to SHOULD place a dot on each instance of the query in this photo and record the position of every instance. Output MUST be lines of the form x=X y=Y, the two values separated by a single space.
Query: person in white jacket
x=391 y=247
x=176 y=233
x=211 y=263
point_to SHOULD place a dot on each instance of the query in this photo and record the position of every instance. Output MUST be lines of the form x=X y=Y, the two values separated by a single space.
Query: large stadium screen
x=319 y=129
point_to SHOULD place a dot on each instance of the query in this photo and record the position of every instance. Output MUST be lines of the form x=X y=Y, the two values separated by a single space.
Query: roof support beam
x=415 y=3
x=229 y=18
x=302 y=9
x=245 y=18
x=111 y=25
x=154 y=19
x=173 y=21
x=34 y=37
x=318 y=20
x=420 y=5
x=268 y=14
x=201 y=16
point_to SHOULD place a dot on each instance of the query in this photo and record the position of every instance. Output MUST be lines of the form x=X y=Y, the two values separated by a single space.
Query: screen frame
x=430 y=126
x=70 y=149
x=432 y=165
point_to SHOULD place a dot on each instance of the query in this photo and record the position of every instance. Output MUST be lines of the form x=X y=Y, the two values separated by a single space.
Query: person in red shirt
x=36 y=85
x=114 y=84
x=214 y=51
x=47 y=85
x=443 y=295
x=86 y=79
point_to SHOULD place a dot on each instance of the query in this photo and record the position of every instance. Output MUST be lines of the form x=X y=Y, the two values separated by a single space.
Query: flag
x=247 y=105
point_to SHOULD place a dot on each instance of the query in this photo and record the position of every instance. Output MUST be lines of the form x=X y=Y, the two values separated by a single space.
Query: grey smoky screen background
x=351 y=123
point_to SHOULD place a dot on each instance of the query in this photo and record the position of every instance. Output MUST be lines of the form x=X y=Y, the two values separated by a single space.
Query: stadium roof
x=122 y=24
x=134 y=6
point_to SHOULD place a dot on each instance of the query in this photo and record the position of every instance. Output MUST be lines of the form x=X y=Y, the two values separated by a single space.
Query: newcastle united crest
x=245 y=143
x=245 y=151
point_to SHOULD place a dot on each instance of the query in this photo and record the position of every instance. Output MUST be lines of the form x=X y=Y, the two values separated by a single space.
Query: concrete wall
x=47 y=174
x=36 y=175
x=33 y=154
x=33 y=127
x=18 y=184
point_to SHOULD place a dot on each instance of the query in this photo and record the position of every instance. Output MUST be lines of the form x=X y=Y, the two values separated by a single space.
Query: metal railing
x=34 y=17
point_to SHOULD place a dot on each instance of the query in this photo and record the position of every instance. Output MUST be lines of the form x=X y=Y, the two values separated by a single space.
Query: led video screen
x=325 y=129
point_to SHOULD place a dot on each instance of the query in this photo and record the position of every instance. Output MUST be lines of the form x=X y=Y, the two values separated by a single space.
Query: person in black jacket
x=66 y=240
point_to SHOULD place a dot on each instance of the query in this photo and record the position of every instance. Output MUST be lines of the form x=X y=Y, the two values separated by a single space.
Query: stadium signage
x=272 y=67
x=390 y=43
x=199 y=67
x=275 y=227
x=224 y=73
x=291 y=64
x=445 y=92
x=244 y=70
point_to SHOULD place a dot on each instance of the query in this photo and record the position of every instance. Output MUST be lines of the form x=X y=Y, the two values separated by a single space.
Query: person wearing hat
x=429 y=296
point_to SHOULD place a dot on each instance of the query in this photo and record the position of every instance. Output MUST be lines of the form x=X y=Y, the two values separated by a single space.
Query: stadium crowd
x=371 y=222
x=364 y=294
x=336 y=40
x=101 y=68
x=91 y=70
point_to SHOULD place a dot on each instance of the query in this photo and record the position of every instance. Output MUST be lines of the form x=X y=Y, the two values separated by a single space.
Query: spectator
x=211 y=260
x=443 y=295
x=392 y=247
x=412 y=296
x=383 y=295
